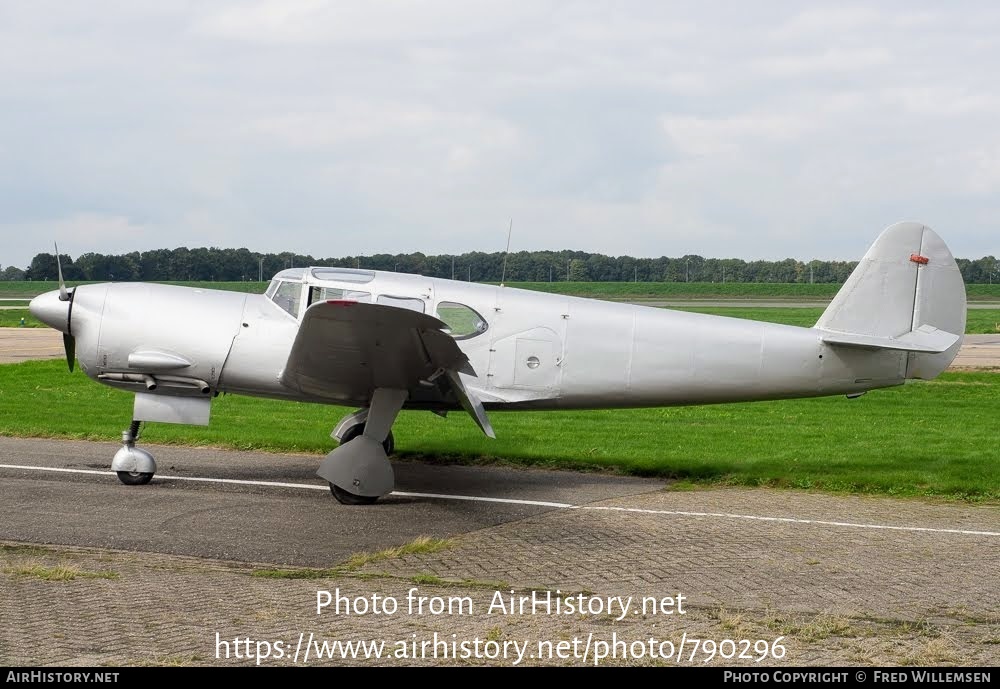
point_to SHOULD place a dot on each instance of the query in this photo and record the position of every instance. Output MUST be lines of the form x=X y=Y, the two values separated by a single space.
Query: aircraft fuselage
x=535 y=350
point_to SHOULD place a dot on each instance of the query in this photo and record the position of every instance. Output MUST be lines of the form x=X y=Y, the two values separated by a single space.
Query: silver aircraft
x=388 y=341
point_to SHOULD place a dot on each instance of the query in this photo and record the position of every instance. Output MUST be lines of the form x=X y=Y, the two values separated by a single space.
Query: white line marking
x=67 y=471
x=788 y=520
x=309 y=486
x=537 y=503
x=272 y=484
x=475 y=498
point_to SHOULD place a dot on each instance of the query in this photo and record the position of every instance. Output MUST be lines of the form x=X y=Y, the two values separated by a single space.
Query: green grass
x=301 y=573
x=803 y=317
x=424 y=579
x=979 y=321
x=926 y=438
x=11 y=318
x=716 y=290
x=685 y=290
x=420 y=544
x=983 y=321
x=57 y=572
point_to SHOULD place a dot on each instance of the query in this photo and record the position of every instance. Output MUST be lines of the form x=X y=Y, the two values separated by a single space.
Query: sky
x=752 y=130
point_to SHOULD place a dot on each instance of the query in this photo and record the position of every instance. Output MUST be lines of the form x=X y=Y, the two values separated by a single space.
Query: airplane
x=384 y=341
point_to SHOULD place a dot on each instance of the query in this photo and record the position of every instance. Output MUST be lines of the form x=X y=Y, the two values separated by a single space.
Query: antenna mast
x=503 y=274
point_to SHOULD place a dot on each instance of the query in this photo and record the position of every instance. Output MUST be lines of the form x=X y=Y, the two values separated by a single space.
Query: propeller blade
x=69 y=343
x=63 y=294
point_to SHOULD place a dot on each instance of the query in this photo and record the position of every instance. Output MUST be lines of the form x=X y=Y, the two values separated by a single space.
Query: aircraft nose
x=49 y=310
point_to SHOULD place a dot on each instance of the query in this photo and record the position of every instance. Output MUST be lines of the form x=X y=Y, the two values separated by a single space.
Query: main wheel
x=345 y=498
x=389 y=444
x=134 y=478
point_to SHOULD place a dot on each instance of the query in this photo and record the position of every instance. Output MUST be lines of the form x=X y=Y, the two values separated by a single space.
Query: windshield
x=288 y=296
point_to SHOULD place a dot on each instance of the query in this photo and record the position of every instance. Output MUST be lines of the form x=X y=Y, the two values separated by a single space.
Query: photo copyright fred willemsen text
x=590 y=648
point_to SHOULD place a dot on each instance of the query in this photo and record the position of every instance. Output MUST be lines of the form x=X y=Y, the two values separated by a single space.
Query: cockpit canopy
x=295 y=289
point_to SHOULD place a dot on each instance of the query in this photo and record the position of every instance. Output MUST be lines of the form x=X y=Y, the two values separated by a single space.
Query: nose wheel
x=133 y=466
x=134 y=478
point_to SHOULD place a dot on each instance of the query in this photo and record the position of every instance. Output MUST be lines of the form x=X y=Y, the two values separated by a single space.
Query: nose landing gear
x=134 y=466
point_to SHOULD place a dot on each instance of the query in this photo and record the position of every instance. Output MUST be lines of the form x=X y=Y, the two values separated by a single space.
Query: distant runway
x=762 y=303
x=978 y=352
x=23 y=344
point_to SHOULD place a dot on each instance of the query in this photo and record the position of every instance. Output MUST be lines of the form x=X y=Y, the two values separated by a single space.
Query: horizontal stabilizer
x=926 y=339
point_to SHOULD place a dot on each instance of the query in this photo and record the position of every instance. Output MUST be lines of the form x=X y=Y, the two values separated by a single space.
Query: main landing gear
x=134 y=466
x=359 y=471
x=344 y=497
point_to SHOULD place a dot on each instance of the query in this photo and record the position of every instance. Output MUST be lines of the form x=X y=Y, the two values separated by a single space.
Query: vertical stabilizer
x=906 y=282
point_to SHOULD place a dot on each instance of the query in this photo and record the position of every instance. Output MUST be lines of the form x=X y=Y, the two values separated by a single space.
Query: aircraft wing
x=345 y=350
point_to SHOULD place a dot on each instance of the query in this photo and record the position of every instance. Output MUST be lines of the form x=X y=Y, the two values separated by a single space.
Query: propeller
x=69 y=342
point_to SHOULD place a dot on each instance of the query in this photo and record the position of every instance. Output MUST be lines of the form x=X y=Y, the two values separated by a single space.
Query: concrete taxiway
x=155 y=572
x=260 y=507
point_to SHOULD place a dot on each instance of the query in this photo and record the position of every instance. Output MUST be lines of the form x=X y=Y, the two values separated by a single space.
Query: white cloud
x=78 y=233
x=730 y=135
x=758 y=129
x=836 y=18
x=300 y=22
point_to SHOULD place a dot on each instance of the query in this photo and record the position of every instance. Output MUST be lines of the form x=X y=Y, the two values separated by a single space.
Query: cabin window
x=402 y=302
x=463 y=322
x=287 y=296
x=325 y=293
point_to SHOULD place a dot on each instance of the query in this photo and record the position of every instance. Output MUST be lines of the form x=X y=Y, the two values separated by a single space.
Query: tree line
x=234 y=265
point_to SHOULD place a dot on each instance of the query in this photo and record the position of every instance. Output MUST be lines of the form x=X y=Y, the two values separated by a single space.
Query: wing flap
x=471 y=404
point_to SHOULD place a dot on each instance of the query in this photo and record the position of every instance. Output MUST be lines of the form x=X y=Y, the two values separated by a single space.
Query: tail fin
x=906 y=294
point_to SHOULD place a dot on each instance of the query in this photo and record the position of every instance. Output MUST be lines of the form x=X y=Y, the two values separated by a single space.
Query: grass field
x=979 y=321
x=936 y=438
x=716 y=290
x=26 y=290
x=11 y=318
x=602 y=290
